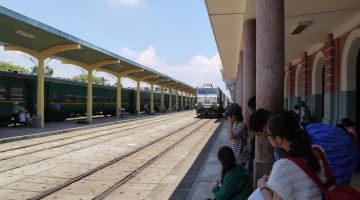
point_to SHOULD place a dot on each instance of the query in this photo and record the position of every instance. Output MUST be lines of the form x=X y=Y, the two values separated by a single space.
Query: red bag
x=330 y=190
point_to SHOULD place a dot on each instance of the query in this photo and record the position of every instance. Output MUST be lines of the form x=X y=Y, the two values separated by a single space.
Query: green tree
x=10 y=66
x=83 y=78
x=48 y=71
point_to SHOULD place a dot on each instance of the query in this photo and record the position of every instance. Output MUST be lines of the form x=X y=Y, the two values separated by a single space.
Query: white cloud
x=202 y=60
x=147 y=57
x=129 y=3
x=127 y=53
x=198 y=71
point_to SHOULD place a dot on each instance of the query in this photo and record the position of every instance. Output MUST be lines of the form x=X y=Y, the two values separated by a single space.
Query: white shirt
x=291 y=182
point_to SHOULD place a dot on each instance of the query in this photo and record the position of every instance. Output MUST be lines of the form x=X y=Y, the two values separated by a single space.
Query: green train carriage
x=71 y=94
x=13 y=88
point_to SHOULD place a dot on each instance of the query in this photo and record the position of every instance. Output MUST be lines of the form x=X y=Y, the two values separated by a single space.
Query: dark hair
x=227 y=157
x=296 y=107
x=347 y=122
x=235 y=110
x=285 y=125
x=258 y=119
x=341 y=126
x=252 y=103
x=302 y=103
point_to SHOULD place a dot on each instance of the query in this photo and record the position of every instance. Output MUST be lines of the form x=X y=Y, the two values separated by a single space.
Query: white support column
x=118 y=97
x=152 y=99
x=89 y=98
x=138 y=99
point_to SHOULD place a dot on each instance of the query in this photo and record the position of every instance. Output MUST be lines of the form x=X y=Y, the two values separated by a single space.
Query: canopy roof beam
x=41 y=56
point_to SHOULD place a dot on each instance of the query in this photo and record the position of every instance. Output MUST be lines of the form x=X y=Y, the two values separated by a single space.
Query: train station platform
x=196 y=184
x=8 y=134
x=210 y=169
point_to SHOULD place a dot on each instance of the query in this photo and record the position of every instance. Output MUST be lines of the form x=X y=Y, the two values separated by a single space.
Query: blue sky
x=172 y=37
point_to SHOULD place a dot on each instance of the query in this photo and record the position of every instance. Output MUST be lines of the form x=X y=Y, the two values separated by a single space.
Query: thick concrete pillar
x=330 y=106
x=41 y=94
x=269 y=73
x=118 y=97
x=89 y=98
x=249 y=64
x=152 y=99
x=239 y=82
x=138 y=98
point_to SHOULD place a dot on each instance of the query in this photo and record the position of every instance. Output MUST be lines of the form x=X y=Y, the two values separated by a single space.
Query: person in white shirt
x=287 y=180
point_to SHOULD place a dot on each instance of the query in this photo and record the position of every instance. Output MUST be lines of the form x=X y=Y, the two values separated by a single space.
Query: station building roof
x=323 y=17
x=19 y=30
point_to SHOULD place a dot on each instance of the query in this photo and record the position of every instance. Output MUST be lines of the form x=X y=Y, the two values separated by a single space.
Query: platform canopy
x=318 y=18
x=21 y=31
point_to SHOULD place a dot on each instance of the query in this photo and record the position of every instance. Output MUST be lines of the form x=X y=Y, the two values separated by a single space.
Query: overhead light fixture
x=299 y=27
x=24 y=34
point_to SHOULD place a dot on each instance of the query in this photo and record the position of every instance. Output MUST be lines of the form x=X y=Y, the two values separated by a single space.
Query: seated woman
x=287 y=180
x=235 y=179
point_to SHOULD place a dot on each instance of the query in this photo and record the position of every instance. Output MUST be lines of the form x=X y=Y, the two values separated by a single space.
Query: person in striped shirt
x=237 y=133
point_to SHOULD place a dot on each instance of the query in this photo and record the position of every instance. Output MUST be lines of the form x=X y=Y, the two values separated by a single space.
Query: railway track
x=182 y=134
x=77 y=136
x=59 y=164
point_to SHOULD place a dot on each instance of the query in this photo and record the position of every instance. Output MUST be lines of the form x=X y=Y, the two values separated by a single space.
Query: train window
x=112 y=99
x=101 y=99
x=203 y=91
x=79 y=98
x=107 y=99
x=85 y=98
x=95 y=99
x=2 y=92
x=69 y=98
x=17 y=93
x=55 y=97
x=61 y=98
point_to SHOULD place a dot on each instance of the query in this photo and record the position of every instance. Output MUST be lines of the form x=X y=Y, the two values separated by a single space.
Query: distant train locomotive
x=210 y=101
x=71 y=94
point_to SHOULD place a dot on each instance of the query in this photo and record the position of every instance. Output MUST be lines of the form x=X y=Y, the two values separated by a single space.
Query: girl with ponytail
x=287 y=180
